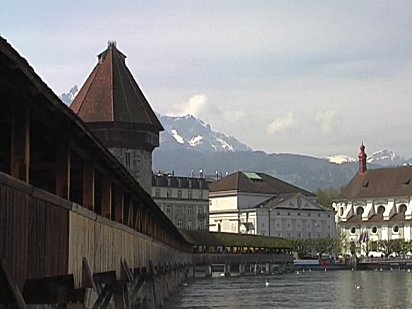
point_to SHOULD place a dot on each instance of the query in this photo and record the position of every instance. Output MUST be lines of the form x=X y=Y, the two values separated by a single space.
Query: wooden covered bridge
x=75 y=226
x=238 y=253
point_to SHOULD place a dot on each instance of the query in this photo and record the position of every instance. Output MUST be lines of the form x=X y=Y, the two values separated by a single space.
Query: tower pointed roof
x=111 y=94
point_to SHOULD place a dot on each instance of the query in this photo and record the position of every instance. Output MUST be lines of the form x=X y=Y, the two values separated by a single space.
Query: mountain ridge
x=188 y=144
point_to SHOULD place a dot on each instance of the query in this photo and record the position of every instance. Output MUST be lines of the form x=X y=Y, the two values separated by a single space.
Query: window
x=353 y=230
x=189 y=194
x=169 y=193
x=374 y=229
x=179 y=210
x=127 y=159
x=189 y=210
x=179 y=223
x=381 y=209
x=402 y=208
x=168 y=209
x=157 y=193
x=395 y=229
x=359 y=211
x=309 y=214
x=288 y=213
x=179 y=193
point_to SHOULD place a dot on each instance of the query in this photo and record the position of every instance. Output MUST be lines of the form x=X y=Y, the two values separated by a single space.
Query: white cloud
x=196 y=105
x=281 y=124
x=328 y=120
x=233 y=116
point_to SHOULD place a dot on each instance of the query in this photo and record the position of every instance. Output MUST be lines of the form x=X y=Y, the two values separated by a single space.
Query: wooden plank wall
x=48 y=239
x=105 y=243
x=42 y=235
x=33 y=234
x=14 y=219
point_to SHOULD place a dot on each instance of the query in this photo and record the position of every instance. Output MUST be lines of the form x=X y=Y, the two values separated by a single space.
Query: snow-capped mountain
x=192 y=133
x=386 y=157
x=68 y=97
x=379 y=158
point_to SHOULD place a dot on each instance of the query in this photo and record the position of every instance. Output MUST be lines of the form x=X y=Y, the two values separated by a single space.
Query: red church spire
x=362 y=160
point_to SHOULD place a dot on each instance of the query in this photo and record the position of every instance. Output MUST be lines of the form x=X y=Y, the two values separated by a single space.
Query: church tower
x=362 y=160
x=114 y=108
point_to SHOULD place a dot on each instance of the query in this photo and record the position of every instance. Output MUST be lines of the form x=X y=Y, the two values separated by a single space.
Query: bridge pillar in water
x=208 y=271
x=242 y=269
x=267 y=268
x=227 y=270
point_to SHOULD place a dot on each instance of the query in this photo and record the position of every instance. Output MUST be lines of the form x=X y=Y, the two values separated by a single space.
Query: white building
x=185 y=200
x=257 y=203
x=375 y=205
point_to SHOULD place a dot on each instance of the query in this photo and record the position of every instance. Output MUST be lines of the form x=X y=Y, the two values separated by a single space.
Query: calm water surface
x=316 y=289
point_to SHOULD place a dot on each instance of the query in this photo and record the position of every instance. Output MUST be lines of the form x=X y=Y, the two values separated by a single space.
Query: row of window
x=380 y=210
x=169 y=194
x=189 y=225
x=180 y=209
x=298 y=235
x=374 y=229
x=278 y=213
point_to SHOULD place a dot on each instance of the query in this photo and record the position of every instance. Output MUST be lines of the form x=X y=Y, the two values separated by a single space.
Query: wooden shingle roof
x=384 y=182
x=111 y=93
x=255 y=183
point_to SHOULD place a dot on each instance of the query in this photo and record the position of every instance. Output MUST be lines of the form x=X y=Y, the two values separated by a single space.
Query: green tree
x=326 y=197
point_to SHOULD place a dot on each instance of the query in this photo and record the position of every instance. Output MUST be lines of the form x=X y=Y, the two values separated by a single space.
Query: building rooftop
x=255 y=183
x=111 y=93
x=383 y=182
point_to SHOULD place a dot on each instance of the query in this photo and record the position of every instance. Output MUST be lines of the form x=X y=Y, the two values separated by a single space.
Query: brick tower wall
x=139 y=164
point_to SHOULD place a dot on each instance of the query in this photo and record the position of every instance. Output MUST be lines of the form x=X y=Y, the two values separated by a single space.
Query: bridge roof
x=17 y=72
x=206 y=238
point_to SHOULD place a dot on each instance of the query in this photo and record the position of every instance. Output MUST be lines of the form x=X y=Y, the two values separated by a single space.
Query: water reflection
x=317 y=289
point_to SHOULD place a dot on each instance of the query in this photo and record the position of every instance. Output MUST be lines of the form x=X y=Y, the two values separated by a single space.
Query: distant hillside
x=306 y=172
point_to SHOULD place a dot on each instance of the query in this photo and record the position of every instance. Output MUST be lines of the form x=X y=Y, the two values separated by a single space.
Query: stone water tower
x=114 y=108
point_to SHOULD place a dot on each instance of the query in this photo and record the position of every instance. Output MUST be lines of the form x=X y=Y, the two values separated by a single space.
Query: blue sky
x=308 y=77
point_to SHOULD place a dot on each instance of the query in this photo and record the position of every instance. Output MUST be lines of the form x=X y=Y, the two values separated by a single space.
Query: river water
x=316 y=289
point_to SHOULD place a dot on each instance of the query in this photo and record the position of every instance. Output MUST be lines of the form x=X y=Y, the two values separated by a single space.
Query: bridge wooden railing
x=43 y=235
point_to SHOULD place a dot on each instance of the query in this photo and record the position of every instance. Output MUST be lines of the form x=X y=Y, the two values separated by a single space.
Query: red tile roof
x=240 y=182
x=111 y=93
x=384 y=182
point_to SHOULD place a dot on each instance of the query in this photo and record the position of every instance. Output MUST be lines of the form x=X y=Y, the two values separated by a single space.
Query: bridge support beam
x=242 y=269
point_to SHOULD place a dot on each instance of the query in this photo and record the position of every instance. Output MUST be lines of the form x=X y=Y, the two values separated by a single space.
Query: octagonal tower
x=114 y=108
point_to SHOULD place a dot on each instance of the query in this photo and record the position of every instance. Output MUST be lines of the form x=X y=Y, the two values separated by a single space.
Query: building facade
x=185 y=200
x=375 y=206
x=256 y=203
